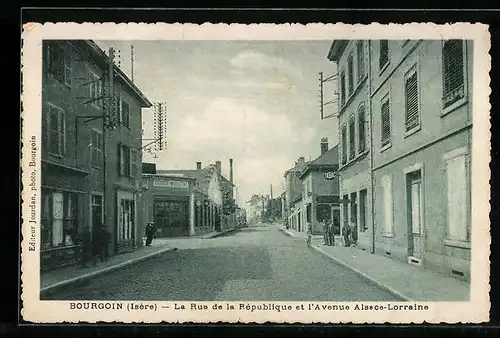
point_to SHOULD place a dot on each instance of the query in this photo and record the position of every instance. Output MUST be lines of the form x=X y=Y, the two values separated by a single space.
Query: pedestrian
x=331 y=233
x=354 y=233
x=104 y=240
x=150 y=229
x=309 y=234
x=84 y=241
x=325 y=231
x=346 y=233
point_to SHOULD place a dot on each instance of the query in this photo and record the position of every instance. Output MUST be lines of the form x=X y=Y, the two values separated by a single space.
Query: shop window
x=126 y=219
x=58 y=219
x=453 y=72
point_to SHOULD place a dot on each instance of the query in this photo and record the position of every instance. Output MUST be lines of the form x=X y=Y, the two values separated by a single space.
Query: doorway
x=415 y=216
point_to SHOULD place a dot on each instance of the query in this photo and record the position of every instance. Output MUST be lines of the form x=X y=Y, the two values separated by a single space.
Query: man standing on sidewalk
x=150 y=230
x=331 y=233
x=325 y=232
x=346 y=233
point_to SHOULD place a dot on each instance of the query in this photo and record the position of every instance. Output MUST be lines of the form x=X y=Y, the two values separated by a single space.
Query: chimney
x=231 y=170
x=302 y=160
x=324 y=145
x=198 y=165
x=218 y=166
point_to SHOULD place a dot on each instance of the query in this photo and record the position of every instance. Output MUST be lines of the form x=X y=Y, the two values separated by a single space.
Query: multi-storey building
x=293 y=188
x=91 y=150
x=421 y=112
x=355 y=184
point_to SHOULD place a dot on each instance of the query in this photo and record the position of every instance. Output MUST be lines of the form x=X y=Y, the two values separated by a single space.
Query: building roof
x=327 y=160
x=102 y=59
x=297 y=168
x=337 y=49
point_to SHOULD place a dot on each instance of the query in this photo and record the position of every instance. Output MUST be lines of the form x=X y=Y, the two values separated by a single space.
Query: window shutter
x=120 y=160
x=388 y=212
x=54 y=131
x=342 y=88
x=386 y=122
x=352 y=137
x=361 y=59
x=411 y=101
x=457 y=201
x=453 y=72
x=350 y=73
x=361 y=128
x=344 y=145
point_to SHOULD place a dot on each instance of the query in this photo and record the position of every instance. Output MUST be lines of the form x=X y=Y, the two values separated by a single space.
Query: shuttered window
x=361 y=59
x=457 y=198
x=350 y=73
x=352 y=137
x=56 y=133
x=344 y=144
x=361 y=129
x=342 y=89
x=412 y=118
x=385 y=114
x=383 y=53
x=453 y=72
x=388 y=204
x=96 y=148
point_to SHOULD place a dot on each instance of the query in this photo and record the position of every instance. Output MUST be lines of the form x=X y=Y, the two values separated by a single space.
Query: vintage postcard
x=320 y=173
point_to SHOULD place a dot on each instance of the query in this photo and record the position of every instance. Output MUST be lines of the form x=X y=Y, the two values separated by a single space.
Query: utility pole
x=132 y=63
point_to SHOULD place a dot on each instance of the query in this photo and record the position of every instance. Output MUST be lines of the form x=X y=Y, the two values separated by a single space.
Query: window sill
x=457 y=104
x=457 y=244
x=384 y=67
x=353 y=160
x=388 y=235
x=58 y=156
x=385 y=147
x=412 y=131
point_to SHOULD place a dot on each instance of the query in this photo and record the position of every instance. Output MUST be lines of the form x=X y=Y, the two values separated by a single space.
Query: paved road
x=257 y=263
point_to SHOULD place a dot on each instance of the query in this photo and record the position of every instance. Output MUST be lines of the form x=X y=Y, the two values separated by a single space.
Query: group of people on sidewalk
x=349 y=233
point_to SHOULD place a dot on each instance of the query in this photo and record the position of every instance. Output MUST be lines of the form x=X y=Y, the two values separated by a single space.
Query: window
x=96 y=148
x=126 y=219
x=59 y=64
x=453 y=72
x=363 y=198
x=385 y=114
x=361 y=129
x=342 y=89
x=56 y=134
x=134 y=163
x=412 y=119
x=354 y=208
x=124 y=156
x=456 y=177
x=344 y=144
x=352 y=138
x=350 y=73
x=383 y=53
x=58 y=219
x=388 y=204
x=95 y=87
x=124 y=113
x=361 y=59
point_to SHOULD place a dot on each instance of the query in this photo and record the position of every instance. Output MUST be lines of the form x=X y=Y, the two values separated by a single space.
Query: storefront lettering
x=170 y=184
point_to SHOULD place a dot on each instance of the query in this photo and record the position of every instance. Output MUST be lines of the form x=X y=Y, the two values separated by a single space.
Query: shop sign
x=330 y=175
x=170 y=183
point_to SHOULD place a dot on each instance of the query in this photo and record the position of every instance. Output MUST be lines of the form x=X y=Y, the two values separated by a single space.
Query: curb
x=74 y=280
x=359 y=272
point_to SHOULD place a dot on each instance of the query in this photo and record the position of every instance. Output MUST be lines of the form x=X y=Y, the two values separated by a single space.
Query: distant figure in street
x=331 y=233
x=325 y=232
x=104 y=240
x=309 y=234
x=150 y=230
x=354 y=233
x=346 y=233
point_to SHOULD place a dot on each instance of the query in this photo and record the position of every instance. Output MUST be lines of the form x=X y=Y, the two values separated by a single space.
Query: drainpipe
x=372 y=193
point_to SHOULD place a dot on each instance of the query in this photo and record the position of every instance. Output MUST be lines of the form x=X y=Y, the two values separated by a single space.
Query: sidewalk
x=53 y=280
x=406 y=281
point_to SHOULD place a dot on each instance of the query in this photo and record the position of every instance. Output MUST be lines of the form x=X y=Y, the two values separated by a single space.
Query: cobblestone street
x=257 y=263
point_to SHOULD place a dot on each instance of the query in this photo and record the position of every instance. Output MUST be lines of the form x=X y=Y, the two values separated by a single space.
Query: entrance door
x=171 y=218
x=415 y=215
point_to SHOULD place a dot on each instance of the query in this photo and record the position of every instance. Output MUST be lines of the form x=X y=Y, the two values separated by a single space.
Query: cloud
x=255 y=61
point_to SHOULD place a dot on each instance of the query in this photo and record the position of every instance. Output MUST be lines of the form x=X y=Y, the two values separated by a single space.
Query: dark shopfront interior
x=171 y=217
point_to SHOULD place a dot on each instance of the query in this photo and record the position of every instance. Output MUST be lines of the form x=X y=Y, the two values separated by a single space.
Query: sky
x=254 y=101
